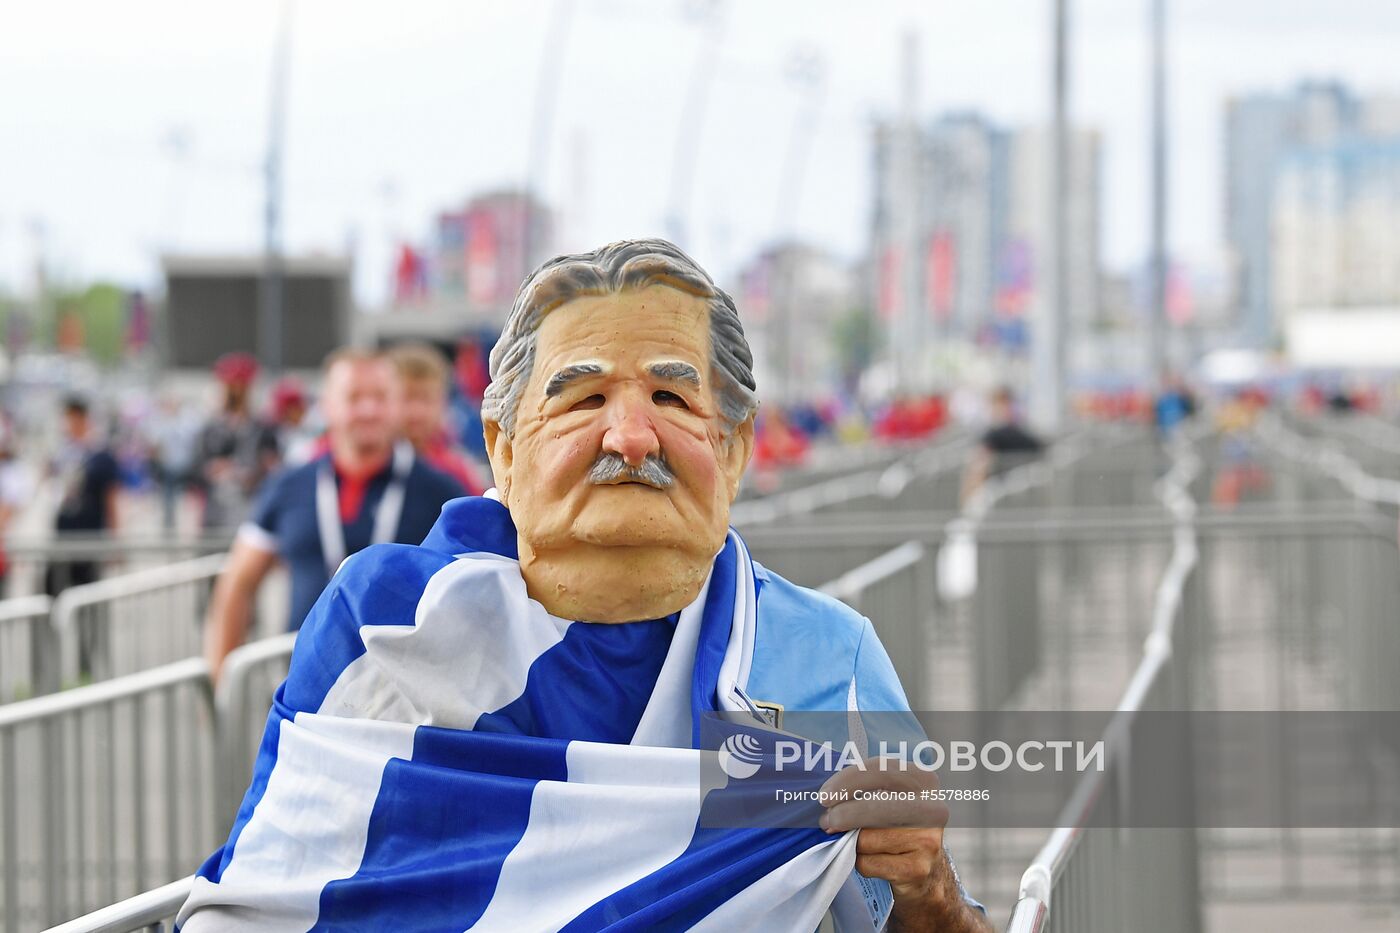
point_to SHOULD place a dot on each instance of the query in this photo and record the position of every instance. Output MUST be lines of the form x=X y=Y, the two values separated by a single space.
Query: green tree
x=100 y=315
x=856 y=335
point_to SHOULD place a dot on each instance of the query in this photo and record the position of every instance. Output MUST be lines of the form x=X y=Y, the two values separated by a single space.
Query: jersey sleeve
x=877 y=685
x=261 y=530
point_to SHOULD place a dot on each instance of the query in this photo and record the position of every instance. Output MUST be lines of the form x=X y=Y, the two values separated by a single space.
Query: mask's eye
x=588 y=404
x=669 y=399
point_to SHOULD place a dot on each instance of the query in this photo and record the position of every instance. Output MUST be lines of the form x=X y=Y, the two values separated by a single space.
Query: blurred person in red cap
x=236 y=450
x=424 y=374
x=297 y=437
x=367 y=486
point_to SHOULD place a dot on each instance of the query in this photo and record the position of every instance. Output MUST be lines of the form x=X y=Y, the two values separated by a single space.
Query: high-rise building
x=962 y=215
x=1268 y=136
x=956 y=192
x=1336 y=226
x=980 y=243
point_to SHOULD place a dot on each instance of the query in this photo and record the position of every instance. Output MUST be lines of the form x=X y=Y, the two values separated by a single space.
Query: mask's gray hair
x=627 y=264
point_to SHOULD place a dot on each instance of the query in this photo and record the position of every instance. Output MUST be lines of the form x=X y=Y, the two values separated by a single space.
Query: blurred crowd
x=198 y=466
x=202 y=466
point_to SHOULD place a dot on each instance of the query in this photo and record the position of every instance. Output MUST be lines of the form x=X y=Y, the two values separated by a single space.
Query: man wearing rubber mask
x=495 y=730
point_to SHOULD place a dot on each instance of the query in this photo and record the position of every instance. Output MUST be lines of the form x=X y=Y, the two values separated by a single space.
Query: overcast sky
x=397 y=110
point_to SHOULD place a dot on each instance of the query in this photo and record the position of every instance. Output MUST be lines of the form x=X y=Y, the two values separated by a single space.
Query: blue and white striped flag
x=445 y=755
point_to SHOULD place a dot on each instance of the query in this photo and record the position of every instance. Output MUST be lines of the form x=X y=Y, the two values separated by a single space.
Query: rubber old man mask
x=621 y=468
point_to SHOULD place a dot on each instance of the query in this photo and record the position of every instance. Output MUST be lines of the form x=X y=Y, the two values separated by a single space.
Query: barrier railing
x=881 y=483
x=824 y=463
x=243 y=698
x=1371 y=643
x=103 y=790
x=1330 y=458
x=109 y=788
x=1086 y=879
x=33 y=559
x=26 y=641
x=1373 y=442
x=134 y=622
x=148 y=911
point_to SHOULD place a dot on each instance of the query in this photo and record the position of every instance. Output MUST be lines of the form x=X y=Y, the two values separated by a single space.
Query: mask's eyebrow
x=675 y=371
x=574 y=371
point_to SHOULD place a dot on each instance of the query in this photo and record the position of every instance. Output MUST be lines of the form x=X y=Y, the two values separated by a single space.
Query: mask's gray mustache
x=611 y=468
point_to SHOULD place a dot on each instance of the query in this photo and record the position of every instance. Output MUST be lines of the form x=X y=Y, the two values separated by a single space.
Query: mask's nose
x=630 y=433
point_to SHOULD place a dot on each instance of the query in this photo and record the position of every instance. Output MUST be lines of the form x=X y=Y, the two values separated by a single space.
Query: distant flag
x=1015 y=278
x=940 y=274
x=410 y=276
x=470 y=365
x=888 y=286
x=758 y=290
x=483 y=254
x=1181 y=306
x=138 y=322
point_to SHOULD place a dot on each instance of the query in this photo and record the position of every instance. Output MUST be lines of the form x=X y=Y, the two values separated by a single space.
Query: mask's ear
x=502 y=456
x=735 y=453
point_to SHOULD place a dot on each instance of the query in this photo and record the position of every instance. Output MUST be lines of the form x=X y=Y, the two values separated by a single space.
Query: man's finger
x=898 y=841
x=899 y=870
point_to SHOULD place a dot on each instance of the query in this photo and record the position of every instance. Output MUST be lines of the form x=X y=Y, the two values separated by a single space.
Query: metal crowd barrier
x=134 y=622
x=1087 y=880
x=108 y=789
x=887 y=483
x=103 y=791
x=1320 y=635
x=824 y=463
x=241 y=704
x=1289 y=606
x=25 y=640
x=1297 y=612
x=31 y=558
x=149 y=911
x=1373 y=442
x=1372 y=643
x=1333 y=460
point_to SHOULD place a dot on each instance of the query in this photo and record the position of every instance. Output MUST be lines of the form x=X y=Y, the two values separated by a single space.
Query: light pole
x=907 y=329
x=806 y=70
x=271 y=293
x=689 y=133
x=542 y=123
x=1048 y=348
x=1157 y=273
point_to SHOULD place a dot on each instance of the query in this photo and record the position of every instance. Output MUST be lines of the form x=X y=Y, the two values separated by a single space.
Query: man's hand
x=901 y=841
